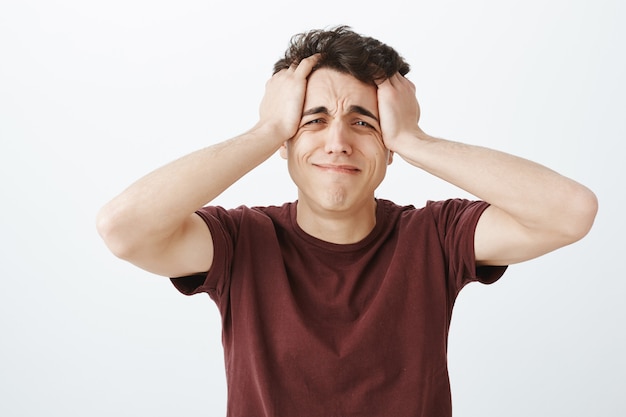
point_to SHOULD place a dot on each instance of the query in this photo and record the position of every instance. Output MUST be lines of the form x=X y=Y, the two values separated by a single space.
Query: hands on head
x=282 y=105
x=399 y=111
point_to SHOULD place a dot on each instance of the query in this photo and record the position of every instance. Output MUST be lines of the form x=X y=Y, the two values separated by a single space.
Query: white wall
x=95 y=94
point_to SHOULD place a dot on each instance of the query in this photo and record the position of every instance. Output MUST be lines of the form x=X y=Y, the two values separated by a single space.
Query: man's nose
x=338 y=139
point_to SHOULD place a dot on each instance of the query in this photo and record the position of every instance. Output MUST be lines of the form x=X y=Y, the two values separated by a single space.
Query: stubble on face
x=316 y=166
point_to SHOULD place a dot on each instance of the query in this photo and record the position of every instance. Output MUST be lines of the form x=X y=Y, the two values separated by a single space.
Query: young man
x=339 y=304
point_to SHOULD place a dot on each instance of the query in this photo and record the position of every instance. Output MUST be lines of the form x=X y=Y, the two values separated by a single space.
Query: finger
x=399 y=81
x=384 y=83
x=305 y=66
x=408 y=83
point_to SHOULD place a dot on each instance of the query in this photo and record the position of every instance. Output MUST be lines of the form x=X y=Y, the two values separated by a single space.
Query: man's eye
x=362 y=123
x=314 y=121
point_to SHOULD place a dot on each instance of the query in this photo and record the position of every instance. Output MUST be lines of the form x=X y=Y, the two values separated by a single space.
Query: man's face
x=337 y=158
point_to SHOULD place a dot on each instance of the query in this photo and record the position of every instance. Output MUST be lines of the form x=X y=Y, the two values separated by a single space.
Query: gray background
x=95 y=94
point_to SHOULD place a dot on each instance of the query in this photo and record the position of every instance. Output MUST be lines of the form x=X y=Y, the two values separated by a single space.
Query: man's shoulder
x=431 y=210
x=274 y=210
x=246 y=211
x=392 y=211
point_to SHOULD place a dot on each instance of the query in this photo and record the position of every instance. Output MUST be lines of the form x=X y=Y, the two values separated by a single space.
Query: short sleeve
x=223 y=227
x=456 y=221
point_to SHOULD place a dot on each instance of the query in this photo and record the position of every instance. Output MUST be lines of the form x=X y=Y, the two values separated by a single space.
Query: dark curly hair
x=341 y=49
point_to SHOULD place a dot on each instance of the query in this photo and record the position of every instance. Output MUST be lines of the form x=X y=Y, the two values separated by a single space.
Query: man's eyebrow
x=316 y=110
x=352 y=109
x=362 y=111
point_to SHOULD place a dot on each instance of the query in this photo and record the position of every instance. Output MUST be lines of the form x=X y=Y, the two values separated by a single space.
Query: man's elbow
x=583 y=207
x=115 y=234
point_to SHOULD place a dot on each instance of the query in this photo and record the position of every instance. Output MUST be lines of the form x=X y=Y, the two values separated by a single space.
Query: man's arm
x=153 y=224
x=533 y=211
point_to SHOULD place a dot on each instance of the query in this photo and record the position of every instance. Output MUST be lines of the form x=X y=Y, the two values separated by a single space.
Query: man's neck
x=337 y=226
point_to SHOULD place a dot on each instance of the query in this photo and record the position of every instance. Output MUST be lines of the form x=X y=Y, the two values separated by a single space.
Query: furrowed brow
x=352 y=109
x=362 y=111
x=316 y=110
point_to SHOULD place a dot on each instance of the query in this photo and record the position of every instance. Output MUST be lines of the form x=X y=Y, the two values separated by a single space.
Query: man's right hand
x=281 y=107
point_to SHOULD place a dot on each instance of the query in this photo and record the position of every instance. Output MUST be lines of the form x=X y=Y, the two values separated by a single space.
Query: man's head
x=337 y=158
x=365 y=58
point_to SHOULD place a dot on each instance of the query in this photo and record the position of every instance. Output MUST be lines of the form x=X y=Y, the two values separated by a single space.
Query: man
x=339 y=304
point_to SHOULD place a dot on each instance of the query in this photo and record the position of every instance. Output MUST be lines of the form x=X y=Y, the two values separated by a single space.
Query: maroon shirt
x=312 y=328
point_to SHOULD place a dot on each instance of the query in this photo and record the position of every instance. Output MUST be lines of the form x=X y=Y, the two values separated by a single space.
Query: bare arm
x=533 y=211
x=152 y=223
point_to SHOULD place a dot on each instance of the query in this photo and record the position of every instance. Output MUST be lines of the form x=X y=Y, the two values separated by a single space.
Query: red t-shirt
x=317 y=329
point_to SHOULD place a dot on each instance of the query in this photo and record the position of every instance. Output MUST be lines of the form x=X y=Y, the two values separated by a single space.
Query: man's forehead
x=330 y=88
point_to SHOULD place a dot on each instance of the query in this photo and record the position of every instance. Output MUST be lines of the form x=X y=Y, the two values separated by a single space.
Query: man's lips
x=339 y=168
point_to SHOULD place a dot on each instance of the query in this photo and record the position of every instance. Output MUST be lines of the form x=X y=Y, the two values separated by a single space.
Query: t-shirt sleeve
x=456 y=221
x=222 y=226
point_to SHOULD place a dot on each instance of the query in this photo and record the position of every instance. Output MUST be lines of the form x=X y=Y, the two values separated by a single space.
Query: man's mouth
x=339 y=168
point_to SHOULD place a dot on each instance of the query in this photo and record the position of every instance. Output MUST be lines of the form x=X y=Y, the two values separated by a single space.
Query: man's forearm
x=155 y=206
x=154 y=216
x=536 y=196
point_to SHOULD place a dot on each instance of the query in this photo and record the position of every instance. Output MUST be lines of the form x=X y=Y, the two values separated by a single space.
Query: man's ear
x=283 y=150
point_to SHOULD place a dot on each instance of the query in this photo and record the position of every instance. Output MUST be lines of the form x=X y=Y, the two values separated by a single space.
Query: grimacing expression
x=337 y=157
